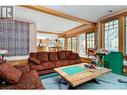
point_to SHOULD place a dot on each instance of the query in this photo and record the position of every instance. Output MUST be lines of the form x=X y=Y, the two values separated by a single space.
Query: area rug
x=107 y=81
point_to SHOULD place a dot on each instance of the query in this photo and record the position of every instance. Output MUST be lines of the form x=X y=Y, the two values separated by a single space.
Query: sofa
x=19 y=77
x=45 y=62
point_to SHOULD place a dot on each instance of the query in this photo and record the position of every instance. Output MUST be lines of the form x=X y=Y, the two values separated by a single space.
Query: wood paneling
x=56 y=13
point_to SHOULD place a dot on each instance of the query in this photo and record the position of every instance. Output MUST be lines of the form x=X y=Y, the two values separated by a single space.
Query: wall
x=33 y=38
x=45 y=36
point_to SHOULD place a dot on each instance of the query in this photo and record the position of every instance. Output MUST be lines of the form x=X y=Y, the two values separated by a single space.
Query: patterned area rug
x=107 y=81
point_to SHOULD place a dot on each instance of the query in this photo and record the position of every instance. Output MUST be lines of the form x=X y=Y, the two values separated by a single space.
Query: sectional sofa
x=45 y=62
x=19 y=77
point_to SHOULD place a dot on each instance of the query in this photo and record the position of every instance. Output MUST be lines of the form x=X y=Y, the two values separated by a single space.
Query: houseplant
x=100 y=53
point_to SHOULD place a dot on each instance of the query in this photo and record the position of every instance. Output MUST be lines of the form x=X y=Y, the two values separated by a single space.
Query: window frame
x=103 y=34
x=77 y=41
x=87 y=40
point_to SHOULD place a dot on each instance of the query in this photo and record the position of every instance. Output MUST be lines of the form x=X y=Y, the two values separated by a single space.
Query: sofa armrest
x=23 y=68
x=35 y=61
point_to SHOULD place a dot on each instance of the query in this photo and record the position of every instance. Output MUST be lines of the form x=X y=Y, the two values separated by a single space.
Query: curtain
x=14 y=37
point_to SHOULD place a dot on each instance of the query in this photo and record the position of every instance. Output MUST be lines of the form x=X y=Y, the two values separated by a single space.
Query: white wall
x=46 y=36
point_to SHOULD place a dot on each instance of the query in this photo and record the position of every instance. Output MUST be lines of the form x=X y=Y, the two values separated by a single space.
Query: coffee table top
x=77 y=74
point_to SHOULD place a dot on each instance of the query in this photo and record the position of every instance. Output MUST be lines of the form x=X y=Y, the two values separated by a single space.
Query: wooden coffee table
x=81 y=76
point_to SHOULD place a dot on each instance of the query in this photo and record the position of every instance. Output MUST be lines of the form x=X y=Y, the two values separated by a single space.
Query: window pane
x=62 y=40
x=90 y=40
x=74 y=44
x=69 y=43
x=111 y=36
x=82 y=50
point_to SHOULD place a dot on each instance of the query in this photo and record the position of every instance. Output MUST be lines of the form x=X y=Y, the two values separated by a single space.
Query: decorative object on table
x=2 y=54
x=100 y=53
x=90 y=66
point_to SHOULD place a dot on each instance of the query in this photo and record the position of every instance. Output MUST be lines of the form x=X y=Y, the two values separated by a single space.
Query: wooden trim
x=79 y=28
x=45 y=32
x=81 y=32
x=121 y=34
x=102 y=36
x=113 y=16
x=99 y=43
x=56 y=13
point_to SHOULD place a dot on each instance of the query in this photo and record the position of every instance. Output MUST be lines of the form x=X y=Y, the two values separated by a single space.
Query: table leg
x=94 y=80
x=71 y=87
x=61 y=81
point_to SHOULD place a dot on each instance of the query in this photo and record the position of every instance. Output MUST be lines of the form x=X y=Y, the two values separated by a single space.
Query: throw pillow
x=35 y=61
x=10 y=73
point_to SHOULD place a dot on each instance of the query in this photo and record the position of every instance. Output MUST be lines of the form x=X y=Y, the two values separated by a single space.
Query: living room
x=63 y=47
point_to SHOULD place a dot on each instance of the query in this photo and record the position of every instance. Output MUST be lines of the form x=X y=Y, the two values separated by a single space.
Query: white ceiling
x=91 y=13
x=45 y=22
x=50 y=23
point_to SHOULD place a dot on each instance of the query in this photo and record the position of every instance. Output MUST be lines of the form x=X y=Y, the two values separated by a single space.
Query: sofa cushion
x=62 y=55
x=23 y=68
x=10 y=73
x=73 y=56
x=43 y=66
x=30 y=80
x=76 y=61
x=68 y=54
x=43 y=56
x=33 y=55
x=53 y=56
x=34 y=60
x=61 y=63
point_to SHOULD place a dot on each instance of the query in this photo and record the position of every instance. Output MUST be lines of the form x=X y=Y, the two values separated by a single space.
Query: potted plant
x=100 y=53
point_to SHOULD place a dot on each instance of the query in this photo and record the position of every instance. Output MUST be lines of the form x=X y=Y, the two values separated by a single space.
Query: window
x=68 y=43
x=62 y=42
x=82 y=40
x=126 y=33
x=14 y=37
x=111 y=35
x=74 y=44
x=90 y=40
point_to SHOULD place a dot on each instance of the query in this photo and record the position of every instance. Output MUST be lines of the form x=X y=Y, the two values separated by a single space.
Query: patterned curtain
x=14 y=37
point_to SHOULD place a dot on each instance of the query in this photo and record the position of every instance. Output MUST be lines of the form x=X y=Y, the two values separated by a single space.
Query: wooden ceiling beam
x=80 y=29
x=56 y=13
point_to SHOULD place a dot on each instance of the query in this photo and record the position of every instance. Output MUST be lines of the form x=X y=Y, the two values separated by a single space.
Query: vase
x=100 y=60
